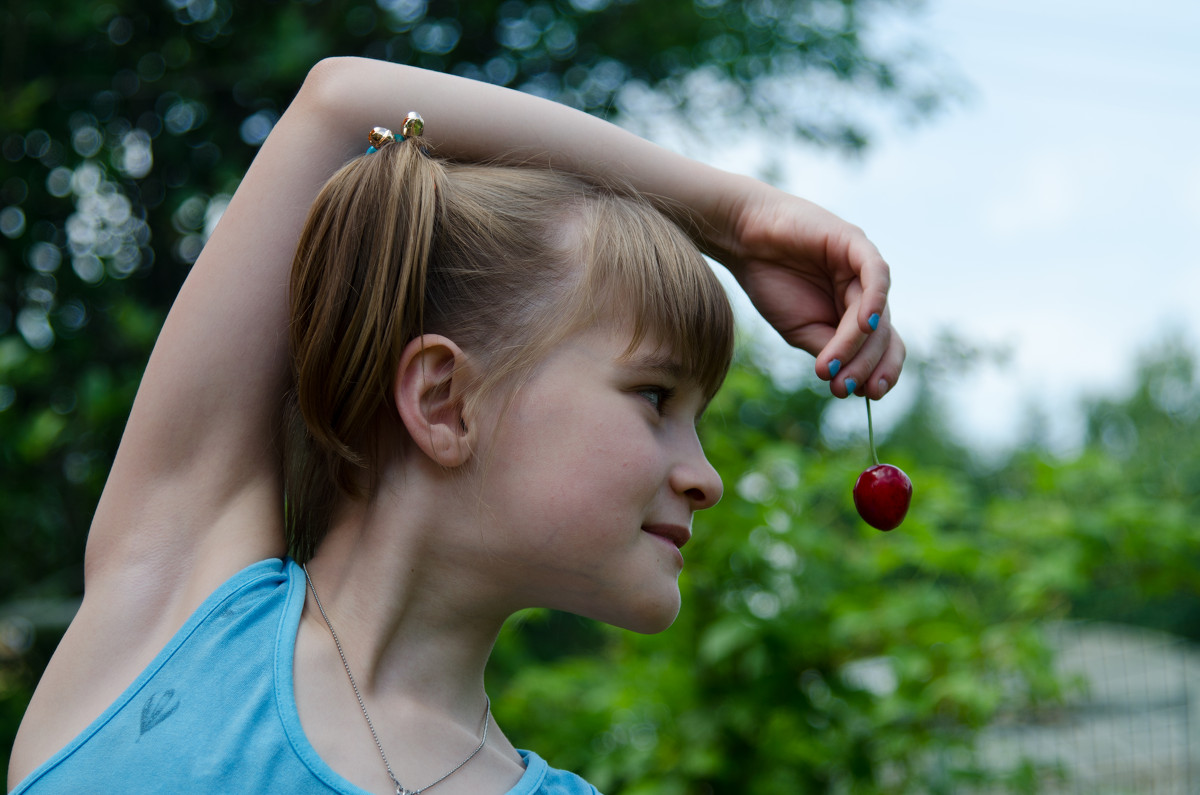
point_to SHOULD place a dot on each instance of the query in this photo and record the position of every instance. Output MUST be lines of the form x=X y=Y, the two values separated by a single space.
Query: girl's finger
x=875 y=279
x=855 y=376
x=887 y=371
x=843 y=346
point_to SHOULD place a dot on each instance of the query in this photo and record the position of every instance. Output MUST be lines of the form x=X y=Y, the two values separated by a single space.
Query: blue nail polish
x=834 y=366
x=851 y=385
x=873 y=321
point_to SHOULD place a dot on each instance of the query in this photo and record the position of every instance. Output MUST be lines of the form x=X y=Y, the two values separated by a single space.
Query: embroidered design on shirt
x=158 y=707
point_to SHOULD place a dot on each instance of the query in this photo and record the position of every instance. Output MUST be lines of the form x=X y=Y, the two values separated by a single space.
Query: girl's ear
x=428 y=396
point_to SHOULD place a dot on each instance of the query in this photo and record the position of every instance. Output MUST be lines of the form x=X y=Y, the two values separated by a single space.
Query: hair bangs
x=641 y=266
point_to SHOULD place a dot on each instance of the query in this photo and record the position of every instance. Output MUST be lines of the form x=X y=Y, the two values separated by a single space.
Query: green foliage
x=1138 y=501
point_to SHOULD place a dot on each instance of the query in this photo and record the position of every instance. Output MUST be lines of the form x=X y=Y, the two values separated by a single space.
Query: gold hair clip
x=413 y=125
x=380 y=137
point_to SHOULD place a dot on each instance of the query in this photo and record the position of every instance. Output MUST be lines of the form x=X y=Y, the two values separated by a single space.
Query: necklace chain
x=400 y=788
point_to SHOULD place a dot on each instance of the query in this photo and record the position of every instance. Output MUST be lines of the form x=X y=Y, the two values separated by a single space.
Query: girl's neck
x=412 y=624
x=416 y=639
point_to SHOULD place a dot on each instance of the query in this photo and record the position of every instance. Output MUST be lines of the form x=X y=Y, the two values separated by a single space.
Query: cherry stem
x=871 y=432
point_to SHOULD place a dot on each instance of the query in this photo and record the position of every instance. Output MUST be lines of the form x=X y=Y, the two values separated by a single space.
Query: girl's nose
x=696 y=479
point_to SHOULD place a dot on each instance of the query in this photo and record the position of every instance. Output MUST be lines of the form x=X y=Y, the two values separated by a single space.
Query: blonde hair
x=506 y=261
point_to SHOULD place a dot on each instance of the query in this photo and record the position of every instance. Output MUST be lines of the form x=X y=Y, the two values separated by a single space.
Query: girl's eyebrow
x=659 y=361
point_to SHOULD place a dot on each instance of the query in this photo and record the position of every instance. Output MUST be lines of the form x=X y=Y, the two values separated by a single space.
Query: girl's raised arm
x=815 y=277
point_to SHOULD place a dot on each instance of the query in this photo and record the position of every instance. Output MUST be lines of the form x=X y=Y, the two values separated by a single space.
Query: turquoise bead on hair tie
x=371 y=150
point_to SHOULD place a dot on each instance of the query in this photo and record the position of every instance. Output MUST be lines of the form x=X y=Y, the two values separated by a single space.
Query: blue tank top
x=214 y=712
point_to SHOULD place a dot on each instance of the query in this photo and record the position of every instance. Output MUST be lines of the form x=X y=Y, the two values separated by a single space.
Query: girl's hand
x=820 y=282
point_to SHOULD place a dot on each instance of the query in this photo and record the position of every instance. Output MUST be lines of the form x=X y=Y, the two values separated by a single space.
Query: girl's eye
x=657 y=396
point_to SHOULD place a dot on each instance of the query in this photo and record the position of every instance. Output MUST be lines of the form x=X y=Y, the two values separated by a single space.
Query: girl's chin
x=646 y=618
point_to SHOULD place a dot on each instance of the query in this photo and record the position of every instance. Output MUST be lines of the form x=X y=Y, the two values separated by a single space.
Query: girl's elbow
x=325 y=79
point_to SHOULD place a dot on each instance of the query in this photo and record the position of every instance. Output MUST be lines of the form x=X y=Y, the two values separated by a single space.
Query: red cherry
x=881 y=495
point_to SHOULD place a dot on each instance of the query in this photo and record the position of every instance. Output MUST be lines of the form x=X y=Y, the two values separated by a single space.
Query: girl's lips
x=676 y=534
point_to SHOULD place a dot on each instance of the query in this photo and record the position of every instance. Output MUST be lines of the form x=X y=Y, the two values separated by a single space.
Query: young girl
x=477 y=394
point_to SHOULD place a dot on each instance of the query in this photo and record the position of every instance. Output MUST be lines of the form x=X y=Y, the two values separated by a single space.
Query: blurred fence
x=1131 y=724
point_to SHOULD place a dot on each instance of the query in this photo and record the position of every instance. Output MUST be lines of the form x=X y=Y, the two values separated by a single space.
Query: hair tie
x=380 y=137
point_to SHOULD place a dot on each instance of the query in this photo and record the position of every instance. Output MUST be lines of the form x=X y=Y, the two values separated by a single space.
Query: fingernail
x=851 y=385
x=873 y=321
x=883 y=385
x=834 y=366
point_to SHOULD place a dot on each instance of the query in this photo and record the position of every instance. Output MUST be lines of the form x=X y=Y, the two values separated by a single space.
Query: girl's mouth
x=676 y=534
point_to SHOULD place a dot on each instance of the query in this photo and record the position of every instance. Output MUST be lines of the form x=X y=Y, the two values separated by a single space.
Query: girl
x=477 y=395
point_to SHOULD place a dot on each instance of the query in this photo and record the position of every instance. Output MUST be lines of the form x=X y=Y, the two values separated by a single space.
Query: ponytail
x=357 y=297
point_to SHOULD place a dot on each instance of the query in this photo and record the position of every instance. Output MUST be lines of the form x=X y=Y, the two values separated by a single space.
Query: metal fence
x=1131 y=725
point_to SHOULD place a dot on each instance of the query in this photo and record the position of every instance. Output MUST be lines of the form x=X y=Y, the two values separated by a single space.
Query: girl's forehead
x=616 y=343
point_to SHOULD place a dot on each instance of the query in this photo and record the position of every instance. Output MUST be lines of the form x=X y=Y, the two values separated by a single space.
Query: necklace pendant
x=400 y=790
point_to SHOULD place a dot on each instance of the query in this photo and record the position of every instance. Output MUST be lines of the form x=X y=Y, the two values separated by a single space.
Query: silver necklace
x=400 y=788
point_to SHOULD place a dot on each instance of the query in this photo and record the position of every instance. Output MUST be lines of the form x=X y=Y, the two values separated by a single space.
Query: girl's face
x=592 y=475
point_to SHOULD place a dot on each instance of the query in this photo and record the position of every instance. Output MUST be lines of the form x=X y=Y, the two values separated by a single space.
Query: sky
x=1053 y=211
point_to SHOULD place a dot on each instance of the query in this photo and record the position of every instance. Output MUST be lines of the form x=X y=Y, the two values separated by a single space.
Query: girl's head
x=507 y=262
